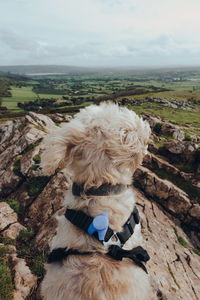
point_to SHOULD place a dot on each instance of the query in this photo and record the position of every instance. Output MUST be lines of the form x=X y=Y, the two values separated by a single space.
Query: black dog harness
x=114 y=241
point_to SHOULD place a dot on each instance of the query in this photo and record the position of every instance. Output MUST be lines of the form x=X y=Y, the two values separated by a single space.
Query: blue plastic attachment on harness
x=100 y=225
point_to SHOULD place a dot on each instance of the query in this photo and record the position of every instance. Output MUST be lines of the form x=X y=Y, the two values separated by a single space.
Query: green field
x=23 y=94
x=81 y=90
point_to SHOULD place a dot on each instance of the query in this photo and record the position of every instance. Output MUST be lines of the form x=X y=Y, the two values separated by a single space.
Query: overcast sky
x=100 y=32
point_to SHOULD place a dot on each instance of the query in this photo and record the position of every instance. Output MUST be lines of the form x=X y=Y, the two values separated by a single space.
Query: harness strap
x=78 y=218
x=83 y=221
x=138 y=255
x=59 y=254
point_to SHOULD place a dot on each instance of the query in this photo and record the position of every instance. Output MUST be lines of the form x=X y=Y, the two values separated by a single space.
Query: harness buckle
x=113 y=240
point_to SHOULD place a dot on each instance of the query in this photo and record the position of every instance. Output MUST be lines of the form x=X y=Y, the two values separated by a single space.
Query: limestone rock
x=24 y=280
x=47 y=231
x=187 y=150
x=7 y=215
x=9 y=181
x=21 y=195
x=68 y=118
x=29 y=135
x=57 y=117
x=17 y=135
x=152 y=161
x=166 y=128
x=60 y=118
x=27 y=160
x=174 y=131
x=193 y=217
x=11 y=248
x=174 y=269
x=195 y=139
x=151 y=120
x=49 y=201
x=15 y=138
x=13 y=230
x=10 y=133
x=195 y=211
x=163 y=191
x=44 y=122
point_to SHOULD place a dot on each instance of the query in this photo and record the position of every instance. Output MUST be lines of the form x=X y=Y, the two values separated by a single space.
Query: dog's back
x=95 y=277
x=103 y=145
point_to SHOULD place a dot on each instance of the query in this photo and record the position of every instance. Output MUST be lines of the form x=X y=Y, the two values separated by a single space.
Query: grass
x=172 y=274
x=30 y=147
x=36 y=158
x=197 y=251
x=36 y=185
x=157 y=128
x=17 y=167
x=23 y=94
x=185 y=167
x=7 y=240
x=177 y=116
x=14 y=205
x=183 y=242
x=39 y=127
x=187 y=137
x=37 y=266
x=34 y=167
x=34 y=259
x=180 y=238
x=6 y=284
x=25 y=235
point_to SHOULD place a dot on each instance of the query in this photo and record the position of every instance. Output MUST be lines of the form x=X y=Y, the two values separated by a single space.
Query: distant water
x=193 y=79
x=43 y=74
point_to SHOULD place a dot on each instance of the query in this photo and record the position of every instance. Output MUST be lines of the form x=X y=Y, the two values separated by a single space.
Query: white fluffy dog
x=102 y=145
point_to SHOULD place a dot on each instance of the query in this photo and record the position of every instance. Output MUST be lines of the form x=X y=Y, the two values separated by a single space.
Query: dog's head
x=104 y=143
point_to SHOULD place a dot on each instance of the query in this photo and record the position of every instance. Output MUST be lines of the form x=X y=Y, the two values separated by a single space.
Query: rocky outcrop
x=48 y=202
x=167 y=102
x=59 y=118
x=13 y=230
x=152 y=161
x=163 y=191
x=161 y=127
x=164 y=208
x=174 y=268
x=16 y=138
x=172 y=130
x=7 y=216
x=187 y=150
x=24 y=280
x=156 y=163
x=186 y=155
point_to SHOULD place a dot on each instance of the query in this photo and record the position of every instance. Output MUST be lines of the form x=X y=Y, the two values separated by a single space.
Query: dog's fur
x=102 y=144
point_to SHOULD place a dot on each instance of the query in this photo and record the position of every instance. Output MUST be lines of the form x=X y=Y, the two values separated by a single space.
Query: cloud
x=15 y=41
x=99 y=31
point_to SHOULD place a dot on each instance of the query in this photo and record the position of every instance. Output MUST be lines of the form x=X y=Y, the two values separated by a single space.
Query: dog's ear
x=58 y=146
x=136 y=138
x=133 y=143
